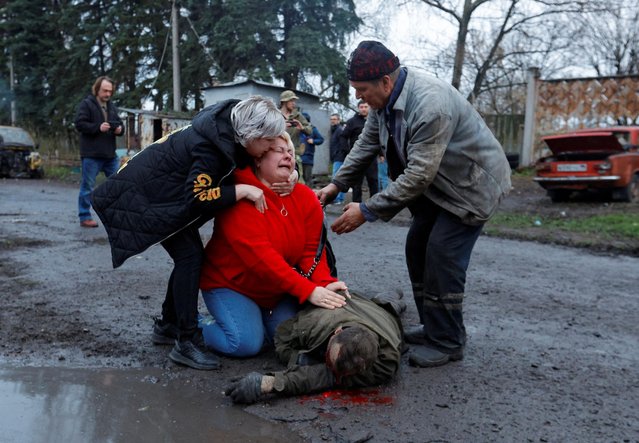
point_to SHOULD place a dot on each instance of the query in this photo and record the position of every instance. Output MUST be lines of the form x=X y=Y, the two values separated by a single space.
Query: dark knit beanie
x=370 y=61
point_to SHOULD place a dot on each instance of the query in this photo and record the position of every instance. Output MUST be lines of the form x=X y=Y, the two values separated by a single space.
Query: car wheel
x=558 y=195
x=630 y=193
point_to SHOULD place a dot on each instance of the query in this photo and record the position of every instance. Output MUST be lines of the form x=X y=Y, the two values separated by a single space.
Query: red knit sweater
x=254 y=253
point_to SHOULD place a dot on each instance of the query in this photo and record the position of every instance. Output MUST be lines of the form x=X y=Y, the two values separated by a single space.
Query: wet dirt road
x=111 y=405
x=552 y=352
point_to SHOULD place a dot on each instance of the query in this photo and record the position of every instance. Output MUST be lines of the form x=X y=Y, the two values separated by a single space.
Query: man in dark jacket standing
x=358 y=345
x=352 y=130
x=98 y=122
x=168 y=190
x=337 y=151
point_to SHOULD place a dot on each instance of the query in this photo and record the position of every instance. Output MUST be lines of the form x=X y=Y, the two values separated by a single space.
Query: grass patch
x=626 y=225
x=612 y=225
x=59 y=172
x=524 y=172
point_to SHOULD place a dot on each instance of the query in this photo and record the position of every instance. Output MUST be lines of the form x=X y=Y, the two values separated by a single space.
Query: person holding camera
x=98 y=122
x=296 y=124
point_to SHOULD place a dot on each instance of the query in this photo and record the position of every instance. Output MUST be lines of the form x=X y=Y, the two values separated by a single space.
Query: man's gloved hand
x=247 y=390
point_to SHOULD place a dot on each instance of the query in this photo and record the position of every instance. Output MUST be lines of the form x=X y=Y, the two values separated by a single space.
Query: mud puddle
x=118 y=405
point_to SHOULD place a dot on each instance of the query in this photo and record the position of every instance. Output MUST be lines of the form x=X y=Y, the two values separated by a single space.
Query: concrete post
x=529 y=120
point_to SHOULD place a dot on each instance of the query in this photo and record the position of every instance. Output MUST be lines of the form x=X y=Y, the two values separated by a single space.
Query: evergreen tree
x=59 y=47
x=29 y=37
x=292 y=41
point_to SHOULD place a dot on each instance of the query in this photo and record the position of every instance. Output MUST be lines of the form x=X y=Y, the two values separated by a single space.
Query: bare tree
x=609 y=40
x=502 y=88
x=501 y=19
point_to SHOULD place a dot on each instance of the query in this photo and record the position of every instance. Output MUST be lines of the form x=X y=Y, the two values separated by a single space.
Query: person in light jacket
x=447 y=169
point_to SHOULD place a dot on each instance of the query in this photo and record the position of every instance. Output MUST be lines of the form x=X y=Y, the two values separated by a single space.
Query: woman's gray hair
x=256 y=117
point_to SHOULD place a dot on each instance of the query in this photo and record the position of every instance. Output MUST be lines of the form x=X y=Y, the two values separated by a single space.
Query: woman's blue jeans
x=239 y=326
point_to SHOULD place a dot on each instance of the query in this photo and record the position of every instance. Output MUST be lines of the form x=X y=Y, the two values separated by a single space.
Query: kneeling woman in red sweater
x=251 y=277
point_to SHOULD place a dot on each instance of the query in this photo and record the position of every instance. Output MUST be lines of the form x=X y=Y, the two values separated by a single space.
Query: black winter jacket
x=93 y=143
x=337 y=151
x=180 y=179
x=352 y=130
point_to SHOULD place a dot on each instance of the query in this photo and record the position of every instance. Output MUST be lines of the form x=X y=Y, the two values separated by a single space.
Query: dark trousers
x=438 y=249
x=371 y=180
x=180 y=304
x=307 y=174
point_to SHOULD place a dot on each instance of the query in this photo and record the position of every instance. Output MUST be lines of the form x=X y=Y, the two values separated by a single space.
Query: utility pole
x=177 y=94
x=12 y=89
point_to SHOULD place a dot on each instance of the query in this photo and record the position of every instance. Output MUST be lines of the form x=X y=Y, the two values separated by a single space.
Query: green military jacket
x=308 y=332
x=294 y=132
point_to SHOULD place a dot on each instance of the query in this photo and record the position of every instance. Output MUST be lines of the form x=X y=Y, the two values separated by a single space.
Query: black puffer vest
x=182 y=178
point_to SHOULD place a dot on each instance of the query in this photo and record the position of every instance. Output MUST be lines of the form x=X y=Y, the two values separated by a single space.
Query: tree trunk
x=460 y=48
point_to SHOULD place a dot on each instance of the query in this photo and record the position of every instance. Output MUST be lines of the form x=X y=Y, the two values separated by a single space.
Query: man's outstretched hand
x=351 y=219
x=247 y=390
x=327 y=194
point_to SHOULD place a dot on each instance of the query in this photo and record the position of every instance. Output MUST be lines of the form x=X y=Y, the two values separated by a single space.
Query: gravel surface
x=552 y=352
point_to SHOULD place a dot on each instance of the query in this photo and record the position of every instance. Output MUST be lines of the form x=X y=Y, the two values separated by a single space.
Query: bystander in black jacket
x=182 y=178
x=93 y=142
x=350 y=134
x=337 y=147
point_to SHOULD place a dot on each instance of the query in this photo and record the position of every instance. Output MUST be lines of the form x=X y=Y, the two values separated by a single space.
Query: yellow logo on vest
x=202 y=190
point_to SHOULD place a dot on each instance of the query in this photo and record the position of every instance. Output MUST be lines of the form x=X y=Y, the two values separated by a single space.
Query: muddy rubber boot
x=428 y=357
x=443 y=334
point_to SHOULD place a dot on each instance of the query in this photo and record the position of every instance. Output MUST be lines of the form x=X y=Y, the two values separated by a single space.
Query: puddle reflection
x=115 y=405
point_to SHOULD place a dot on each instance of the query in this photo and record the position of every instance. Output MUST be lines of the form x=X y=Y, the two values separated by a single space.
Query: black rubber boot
x=428 y=357
x=442 y=337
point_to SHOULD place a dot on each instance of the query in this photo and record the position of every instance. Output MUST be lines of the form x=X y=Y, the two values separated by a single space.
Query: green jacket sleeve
x=300 y=380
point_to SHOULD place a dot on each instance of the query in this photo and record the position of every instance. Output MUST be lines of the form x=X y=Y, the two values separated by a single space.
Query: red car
x=602 y=159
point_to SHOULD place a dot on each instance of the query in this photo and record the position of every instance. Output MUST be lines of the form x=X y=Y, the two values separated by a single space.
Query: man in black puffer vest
x=171 y=188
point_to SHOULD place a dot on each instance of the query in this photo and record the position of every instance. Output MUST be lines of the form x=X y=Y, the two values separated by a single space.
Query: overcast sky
x=413 y=32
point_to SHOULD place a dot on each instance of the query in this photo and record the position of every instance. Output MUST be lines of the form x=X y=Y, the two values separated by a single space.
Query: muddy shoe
x=427 y=357
x=89 y=224
x=193 y=353
x=164 y=333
